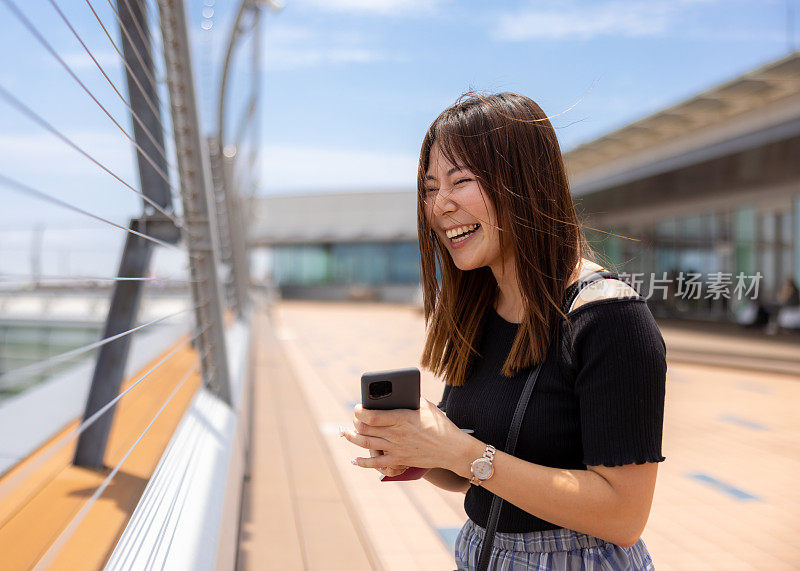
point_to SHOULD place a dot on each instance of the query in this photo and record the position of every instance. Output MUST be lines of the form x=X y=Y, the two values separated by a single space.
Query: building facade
x=706 y=190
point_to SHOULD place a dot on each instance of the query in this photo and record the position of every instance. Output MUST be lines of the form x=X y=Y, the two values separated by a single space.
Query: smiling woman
x=494 y=161
x=511 y=307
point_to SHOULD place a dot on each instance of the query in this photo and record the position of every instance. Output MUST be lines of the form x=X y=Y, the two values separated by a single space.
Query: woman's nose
x=443 y=204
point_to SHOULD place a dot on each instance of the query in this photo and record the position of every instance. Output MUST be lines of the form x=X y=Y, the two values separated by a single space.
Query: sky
x=348 y=89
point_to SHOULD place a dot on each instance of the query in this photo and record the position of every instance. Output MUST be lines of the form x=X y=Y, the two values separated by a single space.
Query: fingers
x=367 y=430
x=385 y=464
x=386 y=470
x=379 y=431
x=369 y=442
x=390 y=472
x=378 y=417
x=377 y=462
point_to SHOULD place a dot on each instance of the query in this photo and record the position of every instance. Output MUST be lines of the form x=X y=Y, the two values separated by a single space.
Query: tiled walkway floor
x=726 y=497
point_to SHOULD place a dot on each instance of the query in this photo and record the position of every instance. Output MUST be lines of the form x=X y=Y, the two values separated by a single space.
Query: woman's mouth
x=458 y=236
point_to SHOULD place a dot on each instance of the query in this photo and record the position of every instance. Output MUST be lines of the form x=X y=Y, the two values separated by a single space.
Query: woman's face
x=455 y=203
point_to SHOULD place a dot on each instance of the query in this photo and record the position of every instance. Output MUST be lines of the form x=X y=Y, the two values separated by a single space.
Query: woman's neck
x=509 y=304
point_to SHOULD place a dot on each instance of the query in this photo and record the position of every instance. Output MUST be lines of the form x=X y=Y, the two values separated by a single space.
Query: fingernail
x=341 y=430
x=354 y=462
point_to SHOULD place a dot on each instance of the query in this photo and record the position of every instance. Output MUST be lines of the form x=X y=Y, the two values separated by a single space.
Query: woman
x=495 y=211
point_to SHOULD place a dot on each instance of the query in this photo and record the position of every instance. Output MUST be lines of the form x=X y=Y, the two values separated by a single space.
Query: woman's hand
x=424 y=438
x=386 y=470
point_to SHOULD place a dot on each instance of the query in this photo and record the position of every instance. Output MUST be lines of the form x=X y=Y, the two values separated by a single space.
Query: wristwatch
x=482 y=468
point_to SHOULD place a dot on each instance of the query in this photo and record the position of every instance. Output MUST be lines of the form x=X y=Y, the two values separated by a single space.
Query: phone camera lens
x=380 y=389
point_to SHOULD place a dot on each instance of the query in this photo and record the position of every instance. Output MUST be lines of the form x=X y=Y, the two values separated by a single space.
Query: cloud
x=407 y=8
x=287 y=168
x=545 y=21
x=293 y=47
x=25 y=153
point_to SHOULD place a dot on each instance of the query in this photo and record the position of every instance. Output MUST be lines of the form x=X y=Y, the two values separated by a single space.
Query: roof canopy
x=753 y=91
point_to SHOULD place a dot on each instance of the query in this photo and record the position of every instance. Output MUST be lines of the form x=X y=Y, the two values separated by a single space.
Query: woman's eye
x=459 y=181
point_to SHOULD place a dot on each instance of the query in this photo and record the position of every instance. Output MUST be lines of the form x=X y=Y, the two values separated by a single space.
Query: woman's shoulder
x=604 y=289
x=607 y=288
x=621 y=318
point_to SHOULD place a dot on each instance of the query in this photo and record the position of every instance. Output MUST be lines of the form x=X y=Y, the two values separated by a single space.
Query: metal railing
x=184 y=178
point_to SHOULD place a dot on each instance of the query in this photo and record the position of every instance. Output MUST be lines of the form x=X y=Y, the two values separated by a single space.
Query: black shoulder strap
x=511 y=445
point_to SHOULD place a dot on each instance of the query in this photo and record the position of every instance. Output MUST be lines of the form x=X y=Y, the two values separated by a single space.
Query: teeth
x=460 y=230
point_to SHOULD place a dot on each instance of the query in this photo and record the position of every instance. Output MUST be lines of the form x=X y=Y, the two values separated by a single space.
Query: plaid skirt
x=556 y=549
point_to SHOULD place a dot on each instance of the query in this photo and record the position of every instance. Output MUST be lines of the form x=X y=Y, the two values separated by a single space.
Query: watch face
x=482 y=468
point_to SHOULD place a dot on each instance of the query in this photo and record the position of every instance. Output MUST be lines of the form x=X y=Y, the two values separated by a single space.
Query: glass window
x=785 y=225
x=745 y=229
x=691 y=227
x=314 y=265
x=711 y=226
x=404 y=263
x=744 y=241
x=786 y=265
x=361 y=263
x=767 y=267
x=666 y=259
x=343 y=262
x=300 y=265
x=723 y=227
x=667 y=228
x=767 y=226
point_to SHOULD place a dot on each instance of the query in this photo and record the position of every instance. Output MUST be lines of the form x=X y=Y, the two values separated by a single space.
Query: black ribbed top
x=599 y=398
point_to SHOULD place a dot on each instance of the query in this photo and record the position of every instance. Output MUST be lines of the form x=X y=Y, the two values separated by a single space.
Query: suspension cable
x=147 y=73
x=50 y=362
x=156 y=112
x=15 y=185
x=151 y=79
x=158 y=47
x=137 y=25
x=136 y=52
x=13 y=101
x=28 y=24
x=245 y=121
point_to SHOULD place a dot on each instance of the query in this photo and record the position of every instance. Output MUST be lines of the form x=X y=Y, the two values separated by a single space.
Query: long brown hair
x=509 y=145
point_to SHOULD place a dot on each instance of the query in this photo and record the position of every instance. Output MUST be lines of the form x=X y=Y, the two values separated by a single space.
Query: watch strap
x=489 y=455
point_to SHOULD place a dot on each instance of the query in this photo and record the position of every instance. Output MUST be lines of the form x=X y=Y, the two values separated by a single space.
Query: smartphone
x=387 y=390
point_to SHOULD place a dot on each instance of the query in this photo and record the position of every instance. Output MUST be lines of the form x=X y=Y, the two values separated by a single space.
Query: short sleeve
x=443 y=403
x=620 y=384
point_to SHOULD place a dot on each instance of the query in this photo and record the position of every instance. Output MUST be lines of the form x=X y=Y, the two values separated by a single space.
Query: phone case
x=404 y=391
